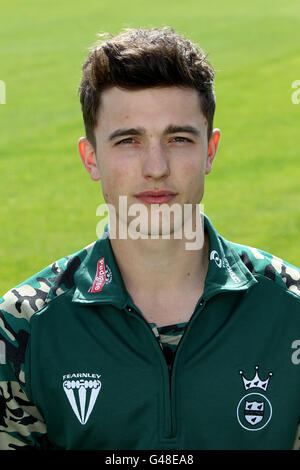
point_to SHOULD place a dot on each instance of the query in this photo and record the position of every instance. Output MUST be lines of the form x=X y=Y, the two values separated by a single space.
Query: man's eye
x=181 y=139
x=128 y=140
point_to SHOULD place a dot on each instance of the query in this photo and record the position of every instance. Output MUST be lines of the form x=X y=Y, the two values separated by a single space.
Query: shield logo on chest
x=254 y=412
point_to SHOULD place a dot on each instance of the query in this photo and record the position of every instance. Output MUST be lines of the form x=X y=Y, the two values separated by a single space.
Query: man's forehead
x=159 y=106
x=119 y=95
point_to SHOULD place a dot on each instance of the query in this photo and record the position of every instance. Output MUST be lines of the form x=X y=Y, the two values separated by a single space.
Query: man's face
x=149 y=140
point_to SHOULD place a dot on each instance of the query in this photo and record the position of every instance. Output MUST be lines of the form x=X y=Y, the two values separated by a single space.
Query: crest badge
x=254 y=410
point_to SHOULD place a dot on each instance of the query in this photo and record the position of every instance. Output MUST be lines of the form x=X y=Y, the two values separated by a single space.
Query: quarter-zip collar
x=226 y=270
x=98 y=280
x=109 y=288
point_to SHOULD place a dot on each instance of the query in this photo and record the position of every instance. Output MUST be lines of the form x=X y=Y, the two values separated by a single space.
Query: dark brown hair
x=144 y=58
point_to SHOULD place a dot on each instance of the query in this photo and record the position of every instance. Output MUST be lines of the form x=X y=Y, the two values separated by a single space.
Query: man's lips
x=156 y=197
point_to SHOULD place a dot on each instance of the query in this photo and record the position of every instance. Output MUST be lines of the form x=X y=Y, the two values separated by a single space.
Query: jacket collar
x=98 y=280
x=226 y=270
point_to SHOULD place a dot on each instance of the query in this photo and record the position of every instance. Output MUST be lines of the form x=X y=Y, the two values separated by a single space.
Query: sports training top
x=81 y=368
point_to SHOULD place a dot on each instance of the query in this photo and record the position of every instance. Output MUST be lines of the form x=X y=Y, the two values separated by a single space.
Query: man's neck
x=160 y=268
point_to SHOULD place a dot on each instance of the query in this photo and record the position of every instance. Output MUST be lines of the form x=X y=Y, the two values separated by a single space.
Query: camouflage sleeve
x=21 y=425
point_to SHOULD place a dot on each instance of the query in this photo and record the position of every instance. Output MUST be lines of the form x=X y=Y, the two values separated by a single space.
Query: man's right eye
x=128 y=140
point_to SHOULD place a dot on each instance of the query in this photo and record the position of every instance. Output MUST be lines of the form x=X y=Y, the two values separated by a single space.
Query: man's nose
x=155 y=162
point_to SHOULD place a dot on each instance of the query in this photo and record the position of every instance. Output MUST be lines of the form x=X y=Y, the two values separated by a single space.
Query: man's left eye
x=181 y=139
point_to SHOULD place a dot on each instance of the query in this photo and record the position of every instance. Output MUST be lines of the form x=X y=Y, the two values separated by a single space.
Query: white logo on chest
x=82 y=390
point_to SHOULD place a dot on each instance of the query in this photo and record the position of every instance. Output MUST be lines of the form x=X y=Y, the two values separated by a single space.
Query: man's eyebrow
x=172 y=129
x=176 y=129
x=123 y=132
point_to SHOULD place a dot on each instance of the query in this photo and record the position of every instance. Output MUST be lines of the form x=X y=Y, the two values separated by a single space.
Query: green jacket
x=80 y=367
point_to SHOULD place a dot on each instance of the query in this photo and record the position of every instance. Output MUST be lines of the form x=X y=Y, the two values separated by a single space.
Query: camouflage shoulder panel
x=33 y=294
x=260 y=262
x=19 y=304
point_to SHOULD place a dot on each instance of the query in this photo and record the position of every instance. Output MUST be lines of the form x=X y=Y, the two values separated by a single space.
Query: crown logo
x=256 y=382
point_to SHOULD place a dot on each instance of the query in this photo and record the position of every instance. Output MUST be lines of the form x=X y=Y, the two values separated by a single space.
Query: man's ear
x=88 y=157
x=212 y=149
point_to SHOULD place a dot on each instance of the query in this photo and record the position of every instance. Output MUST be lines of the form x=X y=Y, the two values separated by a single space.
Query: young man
x=143 y=341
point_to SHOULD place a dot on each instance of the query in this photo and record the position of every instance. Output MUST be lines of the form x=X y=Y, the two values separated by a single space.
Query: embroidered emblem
x=215 y=256
x=254 y=410
x=82 y=390
x=223 y=263
x=103 y=276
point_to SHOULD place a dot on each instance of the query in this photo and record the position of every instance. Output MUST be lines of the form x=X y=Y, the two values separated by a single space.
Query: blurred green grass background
x=48 y=202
